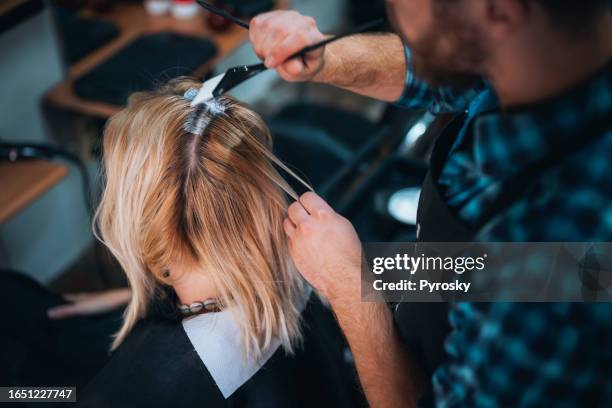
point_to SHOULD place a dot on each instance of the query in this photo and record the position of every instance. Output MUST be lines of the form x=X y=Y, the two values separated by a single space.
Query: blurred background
x=67 y=65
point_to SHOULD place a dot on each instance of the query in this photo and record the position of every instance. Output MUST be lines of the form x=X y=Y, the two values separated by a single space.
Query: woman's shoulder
x=156 y=366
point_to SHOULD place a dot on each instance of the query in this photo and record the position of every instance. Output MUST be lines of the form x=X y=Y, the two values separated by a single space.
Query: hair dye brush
x=234 y=76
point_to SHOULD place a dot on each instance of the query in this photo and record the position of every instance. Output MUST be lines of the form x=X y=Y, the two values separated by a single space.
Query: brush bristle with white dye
x=206 y=91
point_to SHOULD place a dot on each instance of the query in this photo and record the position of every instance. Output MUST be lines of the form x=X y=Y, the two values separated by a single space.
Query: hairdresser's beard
x=451 y=53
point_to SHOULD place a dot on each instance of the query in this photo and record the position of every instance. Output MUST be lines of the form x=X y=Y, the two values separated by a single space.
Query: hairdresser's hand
x=82 y=304
x=278 y=34
x=325 y=249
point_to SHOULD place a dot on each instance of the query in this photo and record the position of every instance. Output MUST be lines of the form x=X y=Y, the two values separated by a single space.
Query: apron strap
x=424 y=326
x=436 y=222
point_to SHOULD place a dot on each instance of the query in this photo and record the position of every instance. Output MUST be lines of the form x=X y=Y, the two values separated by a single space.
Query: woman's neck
x=194 y=286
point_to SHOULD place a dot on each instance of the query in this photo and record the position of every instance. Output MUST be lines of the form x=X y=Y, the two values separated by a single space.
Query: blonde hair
x=198 y=185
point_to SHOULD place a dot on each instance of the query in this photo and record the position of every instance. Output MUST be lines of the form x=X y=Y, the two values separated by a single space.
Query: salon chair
x=308 y=150
x=356 y=164
x=367 y=204
x=317 y=141
x=81 y=36
x=349 y=161
x=348 y=129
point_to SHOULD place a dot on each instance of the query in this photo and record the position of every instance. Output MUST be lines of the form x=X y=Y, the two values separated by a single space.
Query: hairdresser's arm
x=327 y=251
x=369 y=64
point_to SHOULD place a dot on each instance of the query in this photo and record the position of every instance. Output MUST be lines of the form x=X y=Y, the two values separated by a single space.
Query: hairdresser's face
x=445 y=38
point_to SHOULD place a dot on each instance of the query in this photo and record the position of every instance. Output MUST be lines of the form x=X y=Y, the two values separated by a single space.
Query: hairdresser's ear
x=503 y=18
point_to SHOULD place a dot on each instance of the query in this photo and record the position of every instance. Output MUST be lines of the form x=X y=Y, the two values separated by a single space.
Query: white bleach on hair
x=206 y=90
x=204 y=112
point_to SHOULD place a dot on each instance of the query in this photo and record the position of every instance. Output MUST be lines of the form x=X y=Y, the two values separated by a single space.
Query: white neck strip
x=217 y=340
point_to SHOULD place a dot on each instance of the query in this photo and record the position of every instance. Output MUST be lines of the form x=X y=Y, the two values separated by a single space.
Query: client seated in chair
x=192 y=209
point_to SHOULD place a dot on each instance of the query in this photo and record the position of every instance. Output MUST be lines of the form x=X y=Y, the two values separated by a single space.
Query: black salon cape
x=157 y=366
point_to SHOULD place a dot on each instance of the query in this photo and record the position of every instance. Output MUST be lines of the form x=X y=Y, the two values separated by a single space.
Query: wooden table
x=24 y=181
x=132 y=21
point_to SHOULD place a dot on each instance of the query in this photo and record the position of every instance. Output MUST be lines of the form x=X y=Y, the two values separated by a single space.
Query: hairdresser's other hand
x=278 y=34
x=325 y=249
x=82 y=304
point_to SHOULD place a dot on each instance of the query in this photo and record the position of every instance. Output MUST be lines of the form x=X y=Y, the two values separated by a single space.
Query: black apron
x=424 y=326
x=158 y=367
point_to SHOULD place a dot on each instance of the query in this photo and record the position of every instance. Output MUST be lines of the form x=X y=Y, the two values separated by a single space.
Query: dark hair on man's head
x=575 y=16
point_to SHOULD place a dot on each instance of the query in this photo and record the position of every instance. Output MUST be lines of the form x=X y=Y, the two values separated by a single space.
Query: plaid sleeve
x=419 y=95
x=524 y=355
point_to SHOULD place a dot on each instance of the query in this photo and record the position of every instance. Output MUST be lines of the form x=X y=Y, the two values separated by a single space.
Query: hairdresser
x=527 y=159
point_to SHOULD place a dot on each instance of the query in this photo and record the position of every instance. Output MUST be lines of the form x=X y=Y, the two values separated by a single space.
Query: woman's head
x=197 y=187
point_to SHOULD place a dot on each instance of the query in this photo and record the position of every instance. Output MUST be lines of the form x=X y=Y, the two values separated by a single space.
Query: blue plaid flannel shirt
x=521 y=354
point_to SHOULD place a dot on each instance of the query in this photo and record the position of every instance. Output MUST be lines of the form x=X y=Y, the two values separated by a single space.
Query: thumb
x=291 y=69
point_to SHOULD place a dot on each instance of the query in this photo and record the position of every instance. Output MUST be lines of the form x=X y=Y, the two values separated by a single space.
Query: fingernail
x=270 y=61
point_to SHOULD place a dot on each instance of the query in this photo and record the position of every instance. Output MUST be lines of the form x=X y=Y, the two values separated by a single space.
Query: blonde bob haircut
x=198 y=185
